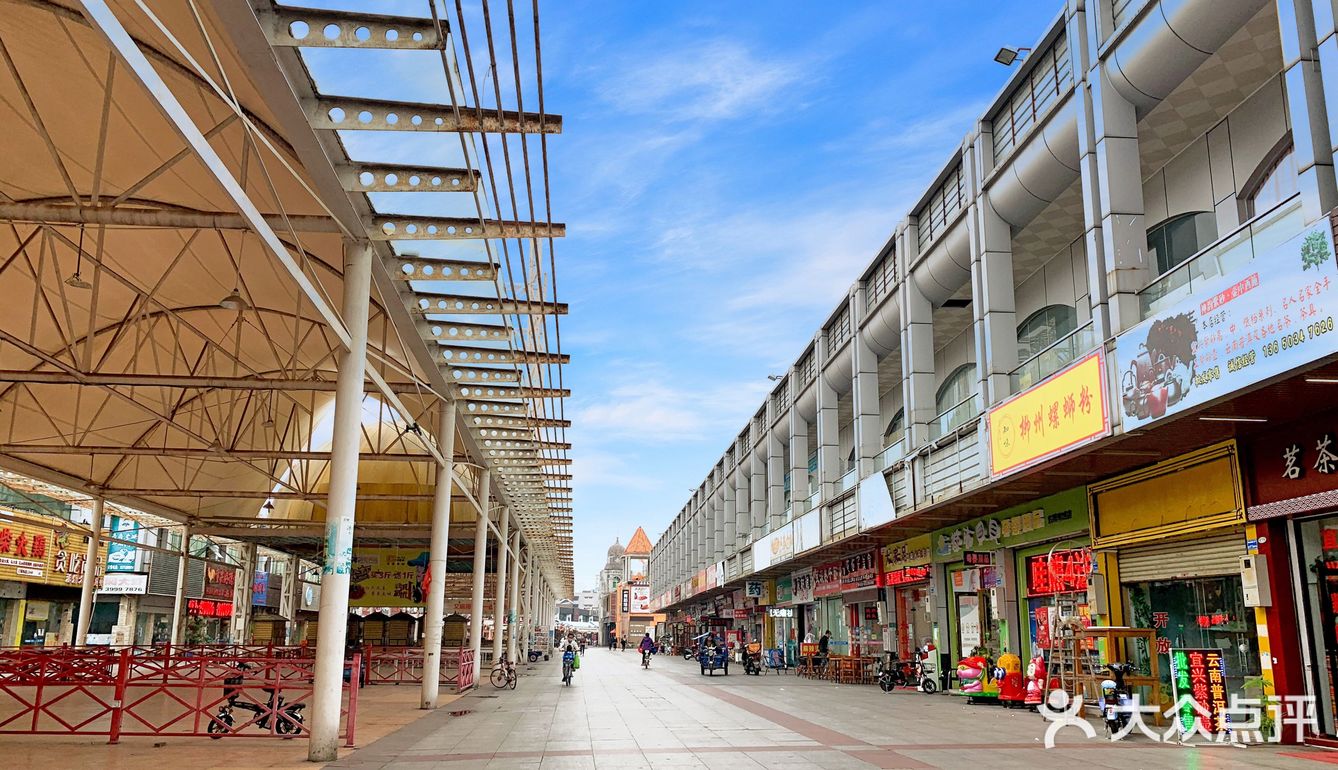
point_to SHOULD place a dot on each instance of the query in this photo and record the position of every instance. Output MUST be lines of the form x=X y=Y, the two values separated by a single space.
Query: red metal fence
x=158 y=692
x=465 y=671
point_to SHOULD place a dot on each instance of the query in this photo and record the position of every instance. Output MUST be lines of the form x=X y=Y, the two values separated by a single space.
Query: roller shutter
x=1172 y=559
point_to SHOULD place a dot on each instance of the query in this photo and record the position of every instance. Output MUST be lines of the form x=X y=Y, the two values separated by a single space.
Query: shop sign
x=1266 y=318
x=859 y=571
x=1060 y=514
x=784 y=590
x=713 y=573
x=871 y=612
x=33 y=553
x=387 y=577
x=907 y=553
x=742 y=614
x=219 y=582
x=259 y=588
x=774 y=547
x=906 y=575
x=1200 y=674
x=780 y=612
x=1297 y=461
x=804 y=585
x=1060 y=572
x=827 y=579
x=627 y=601
x=640 y=599
x=37 y=610
x=124 y=583
x=121 y=556
x=808 y=649
x=208 y=608
x=1065 y=410
x=977 y=558
x=753 y=589
x=311 y=597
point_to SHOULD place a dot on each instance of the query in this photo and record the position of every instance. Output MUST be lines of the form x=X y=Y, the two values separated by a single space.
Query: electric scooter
x=752 y=661
x=1115 y=702
x=894 y=673
x=288 y=717
x=926 y=669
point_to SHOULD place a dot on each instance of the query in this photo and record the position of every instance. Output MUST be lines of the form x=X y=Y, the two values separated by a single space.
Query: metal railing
x=955 y=416
x=1050 y=77
x=1237 y=248
x=894 y=452
x=847 y=481
x=1058 y=355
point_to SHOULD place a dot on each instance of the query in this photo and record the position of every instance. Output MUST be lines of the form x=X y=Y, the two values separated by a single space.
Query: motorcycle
x=645 y=658
x=925 y=670
x=287 y=716
x=894 y=673
x=1115 y=702
x=752 y=660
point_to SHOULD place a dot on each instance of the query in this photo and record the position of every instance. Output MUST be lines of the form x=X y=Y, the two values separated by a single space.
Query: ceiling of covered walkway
x=163 y=349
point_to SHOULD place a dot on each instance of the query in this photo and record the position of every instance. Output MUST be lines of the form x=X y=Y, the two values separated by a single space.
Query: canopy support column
x=90 y=576
x=480 y=566
x=436 y=566
x=513 y=611
x=179 y=598
x=499 y=602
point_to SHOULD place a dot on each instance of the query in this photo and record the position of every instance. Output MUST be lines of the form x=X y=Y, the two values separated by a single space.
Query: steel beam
x=251 y=494
x=42 y=212
x=480 y=374
x=472 y=391
x=184 y=381
x=405 y=227
x=193 y=453
x=315 y=28
x=415 y=268
x=396 y=177
x=497 y=421
x=484 y=355
x=453 y=331
x=347 y=113
x=482 y=407
x=463 y=304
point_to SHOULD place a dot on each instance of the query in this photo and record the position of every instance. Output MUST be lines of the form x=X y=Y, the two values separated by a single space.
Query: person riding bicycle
x=568 y=663
x=647 y=647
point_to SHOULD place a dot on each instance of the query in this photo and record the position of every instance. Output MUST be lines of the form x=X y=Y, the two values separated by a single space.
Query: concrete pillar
x=480 y=569
x=743 y=500
x=1309 y=94
x=435 y=611
x=513 y=604
x=499 y=600
x=757 y=492
x=776 y=508
x=340 y=507
x=729 y=511
x=90 y=576
x=242 y=597
x=864 y=392
x=917 y=360
x=992 y=290
x=830 y=463
x=798 y=462
x=713 y=524
x=179 y=598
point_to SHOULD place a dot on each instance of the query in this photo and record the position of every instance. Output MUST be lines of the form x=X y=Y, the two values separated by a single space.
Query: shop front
x=782 y=629
x=1293 y=495
x=906 y=584
x=1168 y=542
x=48 y=557
x=830 y=608
x=990 y=603
x=859 y=594
x=805 y=604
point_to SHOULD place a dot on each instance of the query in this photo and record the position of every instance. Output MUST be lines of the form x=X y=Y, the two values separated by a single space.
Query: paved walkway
x=616 y=715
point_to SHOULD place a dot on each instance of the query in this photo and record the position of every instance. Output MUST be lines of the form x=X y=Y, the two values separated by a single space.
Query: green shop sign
x=1060 y=514
x=784 y=589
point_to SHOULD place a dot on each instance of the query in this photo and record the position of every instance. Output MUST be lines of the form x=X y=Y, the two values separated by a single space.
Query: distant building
x=624 y=590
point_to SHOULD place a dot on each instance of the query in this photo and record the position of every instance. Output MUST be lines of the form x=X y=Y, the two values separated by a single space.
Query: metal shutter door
x=1217 y=555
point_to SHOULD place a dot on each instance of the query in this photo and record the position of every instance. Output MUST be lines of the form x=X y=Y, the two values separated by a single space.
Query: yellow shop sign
x=1066 y=410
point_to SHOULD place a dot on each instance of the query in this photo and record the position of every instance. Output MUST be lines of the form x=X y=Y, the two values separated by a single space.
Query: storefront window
x=1319 y=560
x=1197 y=613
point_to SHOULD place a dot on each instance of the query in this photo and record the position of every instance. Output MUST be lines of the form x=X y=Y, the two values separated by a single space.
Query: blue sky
x=725 y=171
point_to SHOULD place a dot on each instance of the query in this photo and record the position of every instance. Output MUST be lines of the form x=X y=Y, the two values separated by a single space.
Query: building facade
x=626 y=597
x=1060 y=393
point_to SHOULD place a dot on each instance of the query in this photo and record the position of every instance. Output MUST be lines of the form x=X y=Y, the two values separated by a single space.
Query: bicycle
x=504 y=674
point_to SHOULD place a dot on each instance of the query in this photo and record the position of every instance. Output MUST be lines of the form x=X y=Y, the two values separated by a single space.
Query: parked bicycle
x=287 y=717
x=504 y=674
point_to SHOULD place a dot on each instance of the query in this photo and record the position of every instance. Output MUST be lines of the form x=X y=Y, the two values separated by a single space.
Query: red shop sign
x=207 y=608
x=906 y=575
x=827 y=579
x=1060 y=572
x=1294 y=461
x=859 y=571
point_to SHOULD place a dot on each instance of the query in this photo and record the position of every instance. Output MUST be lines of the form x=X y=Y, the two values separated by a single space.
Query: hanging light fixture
x=233 y=301
x=74 y=281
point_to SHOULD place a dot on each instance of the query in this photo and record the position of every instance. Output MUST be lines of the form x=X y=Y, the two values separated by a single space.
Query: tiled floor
x=616 y=715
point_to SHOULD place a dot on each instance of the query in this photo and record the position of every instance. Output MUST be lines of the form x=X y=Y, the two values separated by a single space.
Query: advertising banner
x=1063 y=411
x=640 y=599
x=124 y=583
x=784 y=590
x=802 y=586
x=387 y=577
x=1268 y=317
x=859 y=571
x=1200 y=674
x=827 y=579
x=121 y=556
x=259 y=588
x=219 y=581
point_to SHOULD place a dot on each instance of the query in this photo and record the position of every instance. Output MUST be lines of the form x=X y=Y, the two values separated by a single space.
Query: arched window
x=895 y=428
x=1181 y=237
x=956 y=388
x=1277 y=182
x=1044 y=328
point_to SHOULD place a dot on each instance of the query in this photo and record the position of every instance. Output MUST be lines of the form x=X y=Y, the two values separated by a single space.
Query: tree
x=1314 y=250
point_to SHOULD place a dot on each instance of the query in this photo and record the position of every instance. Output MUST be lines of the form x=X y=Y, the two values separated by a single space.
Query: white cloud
x=709 y=80
x=656 y=410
